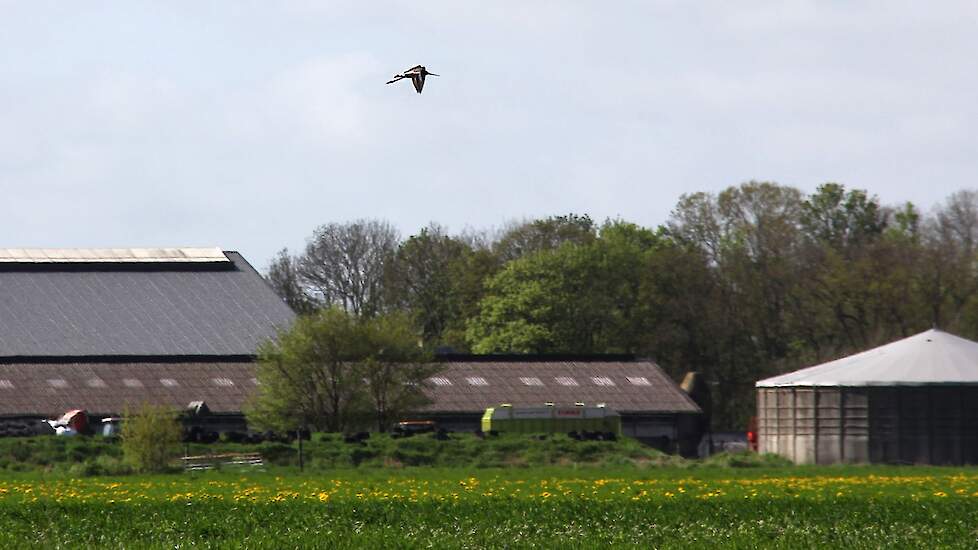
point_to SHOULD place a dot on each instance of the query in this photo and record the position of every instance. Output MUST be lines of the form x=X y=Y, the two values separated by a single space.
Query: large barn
x=913 y=401
x=103 y=329
x=652 y=407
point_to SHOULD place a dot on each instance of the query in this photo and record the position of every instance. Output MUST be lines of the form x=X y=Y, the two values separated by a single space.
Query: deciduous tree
x=283 y=276
x=343 y=264
x=421 y=280
x=150 y=437
x=333 y=371
x=544 y=234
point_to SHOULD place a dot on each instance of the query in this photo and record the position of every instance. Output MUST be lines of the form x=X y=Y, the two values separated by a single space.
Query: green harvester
x=551 y=419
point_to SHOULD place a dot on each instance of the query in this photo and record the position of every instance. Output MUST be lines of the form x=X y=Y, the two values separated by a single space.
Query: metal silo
x=913 y=401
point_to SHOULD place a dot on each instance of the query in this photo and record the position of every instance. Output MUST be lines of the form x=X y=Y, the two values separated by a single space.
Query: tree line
x=739 y=285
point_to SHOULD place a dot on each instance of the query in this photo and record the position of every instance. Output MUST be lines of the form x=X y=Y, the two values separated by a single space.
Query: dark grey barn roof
x=172 y=309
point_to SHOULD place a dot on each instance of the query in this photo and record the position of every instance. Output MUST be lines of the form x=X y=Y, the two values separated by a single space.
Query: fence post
x=298 y=435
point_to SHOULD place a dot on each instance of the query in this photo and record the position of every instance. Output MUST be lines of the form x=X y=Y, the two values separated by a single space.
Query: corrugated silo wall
x=893 y=424
x=814 y=425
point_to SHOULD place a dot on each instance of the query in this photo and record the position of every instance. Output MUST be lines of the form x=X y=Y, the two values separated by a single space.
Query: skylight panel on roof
x=476 y=381
x=565 y=381
x=58 y=382
x=6 y=385
x=132 y=383
x=169 y=382
x=638 y=381
x=223 y=382
x=96 y=383
x=111 y=255
x=531 y=381
x=602 y=381
x=440 y=381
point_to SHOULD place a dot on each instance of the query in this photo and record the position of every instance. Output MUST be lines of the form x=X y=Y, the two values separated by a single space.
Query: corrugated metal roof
x=933 y=357
x=628 y=386
x=107 y=388
x=48 y=389
x=154 y=310
x=112 y=255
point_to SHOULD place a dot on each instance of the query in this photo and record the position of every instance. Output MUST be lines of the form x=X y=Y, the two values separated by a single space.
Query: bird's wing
x=418 y=81
x=396 y=78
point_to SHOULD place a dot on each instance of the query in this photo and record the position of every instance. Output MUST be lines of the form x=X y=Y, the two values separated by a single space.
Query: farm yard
x=855 y=507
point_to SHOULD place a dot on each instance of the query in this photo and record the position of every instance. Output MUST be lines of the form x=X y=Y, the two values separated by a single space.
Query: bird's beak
x=433 y=74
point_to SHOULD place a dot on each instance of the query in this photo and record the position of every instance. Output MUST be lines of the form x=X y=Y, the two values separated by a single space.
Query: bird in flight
x=416 y=74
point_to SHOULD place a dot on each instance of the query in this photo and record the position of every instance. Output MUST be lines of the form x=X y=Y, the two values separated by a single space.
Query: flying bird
x=416 y=74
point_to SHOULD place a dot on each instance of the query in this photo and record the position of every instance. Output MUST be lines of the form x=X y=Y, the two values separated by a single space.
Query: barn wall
x=898 y=425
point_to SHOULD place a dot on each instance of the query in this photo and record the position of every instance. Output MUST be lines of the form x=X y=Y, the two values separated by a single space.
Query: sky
x=245 y=125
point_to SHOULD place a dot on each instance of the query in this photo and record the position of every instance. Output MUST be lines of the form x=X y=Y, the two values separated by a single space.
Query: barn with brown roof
x=652 y=407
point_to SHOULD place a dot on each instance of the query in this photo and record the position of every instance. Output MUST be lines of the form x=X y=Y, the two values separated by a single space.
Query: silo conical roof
x=932 y=357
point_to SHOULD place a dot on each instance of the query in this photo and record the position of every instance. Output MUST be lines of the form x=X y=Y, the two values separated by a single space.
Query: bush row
x=96 y=455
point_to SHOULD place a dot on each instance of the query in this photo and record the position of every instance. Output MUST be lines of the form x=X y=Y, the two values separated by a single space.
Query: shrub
x=105 y=465
x=746 y=459
x=360 y=455
x=150 y=438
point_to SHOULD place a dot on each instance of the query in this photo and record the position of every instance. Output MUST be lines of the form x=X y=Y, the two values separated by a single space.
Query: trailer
x=551 y=419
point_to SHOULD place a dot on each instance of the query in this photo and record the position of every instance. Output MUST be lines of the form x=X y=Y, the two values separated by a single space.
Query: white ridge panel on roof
x=112 y=255
x=932 y=357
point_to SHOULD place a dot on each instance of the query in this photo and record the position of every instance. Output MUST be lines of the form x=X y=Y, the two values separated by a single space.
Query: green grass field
x=853 y=507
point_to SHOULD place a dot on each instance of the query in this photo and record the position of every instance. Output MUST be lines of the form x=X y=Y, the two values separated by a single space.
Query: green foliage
x=150 y=438
x=842 y=220
x=30 y=453
x=745 y=459
x=330 y=452
x=422 y=279
x=395 y=370
x=577 y=298
x=313 y=374
x=545 y=234
x=87 y=456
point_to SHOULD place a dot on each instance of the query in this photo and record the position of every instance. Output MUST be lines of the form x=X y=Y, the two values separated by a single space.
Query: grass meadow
x=520 y=507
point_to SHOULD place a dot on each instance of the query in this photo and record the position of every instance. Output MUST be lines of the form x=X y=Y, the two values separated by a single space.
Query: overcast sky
x=245 y=126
